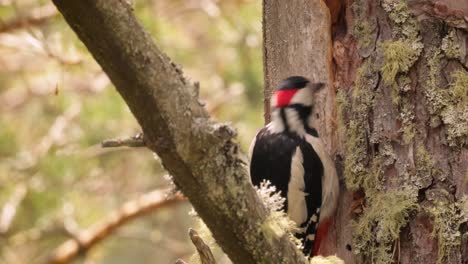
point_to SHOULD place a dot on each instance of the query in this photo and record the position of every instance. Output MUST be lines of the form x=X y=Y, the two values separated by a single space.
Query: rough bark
x=200 y=154
x=399 y=86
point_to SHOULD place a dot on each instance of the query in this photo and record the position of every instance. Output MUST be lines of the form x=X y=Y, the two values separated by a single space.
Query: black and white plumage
x=289 y=154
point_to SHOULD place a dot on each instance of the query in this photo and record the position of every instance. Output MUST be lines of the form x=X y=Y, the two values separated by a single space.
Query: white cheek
x=303 y=96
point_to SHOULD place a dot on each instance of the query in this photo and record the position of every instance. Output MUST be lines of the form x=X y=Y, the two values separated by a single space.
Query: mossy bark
x=395 y=120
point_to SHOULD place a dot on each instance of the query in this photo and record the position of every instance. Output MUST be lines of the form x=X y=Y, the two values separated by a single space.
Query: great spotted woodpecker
x=289 y=153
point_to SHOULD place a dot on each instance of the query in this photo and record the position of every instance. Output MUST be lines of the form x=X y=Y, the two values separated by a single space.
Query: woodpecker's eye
x=283 y=97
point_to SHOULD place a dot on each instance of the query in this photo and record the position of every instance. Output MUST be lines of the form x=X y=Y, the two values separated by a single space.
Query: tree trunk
x=395 y=119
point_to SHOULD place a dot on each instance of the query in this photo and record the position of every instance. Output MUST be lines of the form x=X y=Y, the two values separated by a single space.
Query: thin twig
x=88 y=238
x=204 y=251
x=133 y=142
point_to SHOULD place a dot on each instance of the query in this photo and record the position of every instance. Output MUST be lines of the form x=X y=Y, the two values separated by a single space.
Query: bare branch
x=133 y=142
x=86 y=239
x=204 y=251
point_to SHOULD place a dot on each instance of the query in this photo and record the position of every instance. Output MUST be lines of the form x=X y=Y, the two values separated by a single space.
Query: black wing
x=271 y=160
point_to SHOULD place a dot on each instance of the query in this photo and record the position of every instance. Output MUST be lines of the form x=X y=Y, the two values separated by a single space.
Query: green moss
x=448 y=218
x=425 y=169
x=399 y=56
x=380 y=225
x=460 y=86
x=372 y=182
x=436 y=98
x=341 y=106
x=355 y=165
x=362 y=31
x=356 y=133
x=455 y=114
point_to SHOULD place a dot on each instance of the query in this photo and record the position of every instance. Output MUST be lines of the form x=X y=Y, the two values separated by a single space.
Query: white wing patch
x=330 y=184
x=297 y=208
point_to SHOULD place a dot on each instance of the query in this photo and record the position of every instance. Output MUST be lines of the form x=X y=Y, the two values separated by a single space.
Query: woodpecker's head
x=295 y=91
x=292 y=104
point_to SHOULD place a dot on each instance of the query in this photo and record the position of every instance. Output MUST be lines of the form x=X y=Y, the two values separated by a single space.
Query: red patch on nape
x=283 y=97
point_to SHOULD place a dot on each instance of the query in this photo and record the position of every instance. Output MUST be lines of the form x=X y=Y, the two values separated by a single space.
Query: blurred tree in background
x=57 y=105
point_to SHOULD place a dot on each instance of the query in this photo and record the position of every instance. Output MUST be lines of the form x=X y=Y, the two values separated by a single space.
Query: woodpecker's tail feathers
x=308 y=232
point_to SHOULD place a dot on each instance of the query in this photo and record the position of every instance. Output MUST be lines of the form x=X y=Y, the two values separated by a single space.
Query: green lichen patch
x=362 y=28
x=363 y=32
x=405 y=25
x=425 y=168
x=448 y=217
x=356 y=133
x=277 y=224
x=341 y=106
x=407 y=120
x=455 y=114
x=447 y=106
x=397 y=10
x=399 y=56
x=380 y=225
x=436 y=97
x=460 y=86
x=387 y=153
x=452 y=45
x=356 y=151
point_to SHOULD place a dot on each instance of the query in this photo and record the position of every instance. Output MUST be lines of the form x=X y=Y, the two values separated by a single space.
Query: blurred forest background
x=57 y=105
